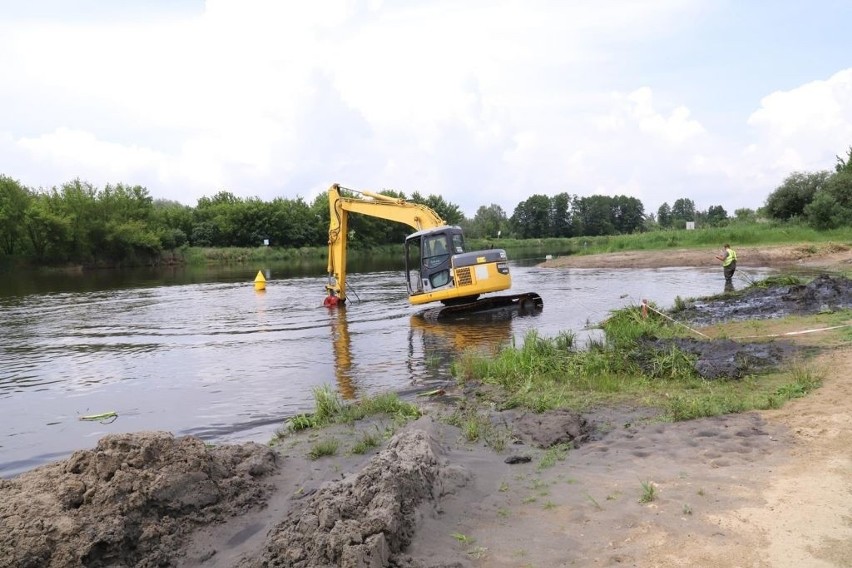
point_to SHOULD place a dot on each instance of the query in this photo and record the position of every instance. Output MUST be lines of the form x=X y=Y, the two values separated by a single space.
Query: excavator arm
x=414 y=215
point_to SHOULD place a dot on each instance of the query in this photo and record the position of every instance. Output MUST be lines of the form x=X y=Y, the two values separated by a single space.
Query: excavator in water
x=438 y=268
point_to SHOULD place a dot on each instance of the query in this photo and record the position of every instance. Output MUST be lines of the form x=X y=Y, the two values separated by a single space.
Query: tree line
x=822 y=199
x=124 y=224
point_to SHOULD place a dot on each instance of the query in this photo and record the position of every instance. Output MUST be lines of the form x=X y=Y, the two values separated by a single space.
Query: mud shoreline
x=768 y=488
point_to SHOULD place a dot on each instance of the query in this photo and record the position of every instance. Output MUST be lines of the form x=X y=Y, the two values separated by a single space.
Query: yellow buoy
x=259 y=281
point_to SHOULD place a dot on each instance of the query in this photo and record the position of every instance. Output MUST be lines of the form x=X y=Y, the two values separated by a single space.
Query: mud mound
x=128 y=502
x=726 y=359
x=823 y=293
x=550 y=428
x=366 y=520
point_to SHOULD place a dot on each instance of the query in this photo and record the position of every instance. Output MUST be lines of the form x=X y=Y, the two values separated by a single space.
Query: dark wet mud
x=825 y=293
x=727 y=359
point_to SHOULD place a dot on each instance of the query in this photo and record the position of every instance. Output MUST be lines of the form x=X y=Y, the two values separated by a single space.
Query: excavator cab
x=428 y=256
x=439 y=268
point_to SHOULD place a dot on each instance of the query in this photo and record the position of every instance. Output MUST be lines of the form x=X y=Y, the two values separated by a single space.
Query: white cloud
x=798 y=128
x=480 y=102
x=71 y=151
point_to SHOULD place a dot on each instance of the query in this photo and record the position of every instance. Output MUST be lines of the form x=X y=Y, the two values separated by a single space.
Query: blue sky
x=480 y=102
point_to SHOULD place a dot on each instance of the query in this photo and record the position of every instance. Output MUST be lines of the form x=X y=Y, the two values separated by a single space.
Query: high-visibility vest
x=732 y=257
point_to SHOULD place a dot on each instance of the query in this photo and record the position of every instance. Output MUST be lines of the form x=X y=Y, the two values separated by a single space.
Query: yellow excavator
x=437 y=266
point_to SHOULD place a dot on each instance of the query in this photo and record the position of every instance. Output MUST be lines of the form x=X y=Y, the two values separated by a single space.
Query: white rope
x=802 y=332
x=645 y=306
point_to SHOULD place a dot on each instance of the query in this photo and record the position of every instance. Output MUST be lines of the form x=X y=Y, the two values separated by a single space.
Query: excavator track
x=522 y=304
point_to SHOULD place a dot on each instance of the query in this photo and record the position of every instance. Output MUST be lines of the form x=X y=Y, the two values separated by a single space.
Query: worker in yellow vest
x=729 y=262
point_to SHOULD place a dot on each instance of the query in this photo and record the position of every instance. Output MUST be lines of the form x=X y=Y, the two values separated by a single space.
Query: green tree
x=205 y=234
x=560 y=215
x=77 y=201
x=531 y=218
x=716 y=216
x=628 y=214
x=122 y=230
x=664 y=216
x=844 y=165
x=683 y=210
x=172 y=221
x=797 y=190
x=14 y=201
x=47 y=228
x=745 y=215
x=449 y=212
x=593 y=216
x=831 y=207
x=488 y=222
x=129 y=240
x=303 y=227
x=216 y=220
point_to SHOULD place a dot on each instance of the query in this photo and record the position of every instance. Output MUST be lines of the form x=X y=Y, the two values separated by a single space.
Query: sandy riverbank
x=822 y=255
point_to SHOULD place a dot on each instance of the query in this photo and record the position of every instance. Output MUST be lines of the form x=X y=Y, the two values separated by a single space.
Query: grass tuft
x=476 y=426
x=330 y=409
x=553 y=454
x=367 y=442
x=649 y=492
x=327 y=447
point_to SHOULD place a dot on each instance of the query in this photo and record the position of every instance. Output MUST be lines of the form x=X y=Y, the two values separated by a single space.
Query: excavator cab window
x=428 y=260
x=436 y=260
x=437 y=252
x=412 y=266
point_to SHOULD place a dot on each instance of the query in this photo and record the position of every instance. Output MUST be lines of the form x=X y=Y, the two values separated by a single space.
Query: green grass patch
x=552 y=455
x=549 y=373
x=367 y=442
x=775 y=280
x=322 y=448
x=330 y=409
x=476 y=425
x=699 y=399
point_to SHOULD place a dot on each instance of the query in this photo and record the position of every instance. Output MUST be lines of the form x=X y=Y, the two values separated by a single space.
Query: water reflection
x=342 y=352
x=438 y=343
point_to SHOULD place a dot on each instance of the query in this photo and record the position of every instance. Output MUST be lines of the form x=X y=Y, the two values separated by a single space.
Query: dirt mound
x=128 y=502
x=823 y=293
x=544 y=430
x=368 y=519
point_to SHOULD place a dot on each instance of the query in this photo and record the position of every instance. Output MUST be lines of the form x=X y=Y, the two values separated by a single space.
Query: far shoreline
x=828 y=256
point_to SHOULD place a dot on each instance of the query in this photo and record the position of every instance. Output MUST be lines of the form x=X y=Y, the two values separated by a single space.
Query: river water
x=201 y=352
